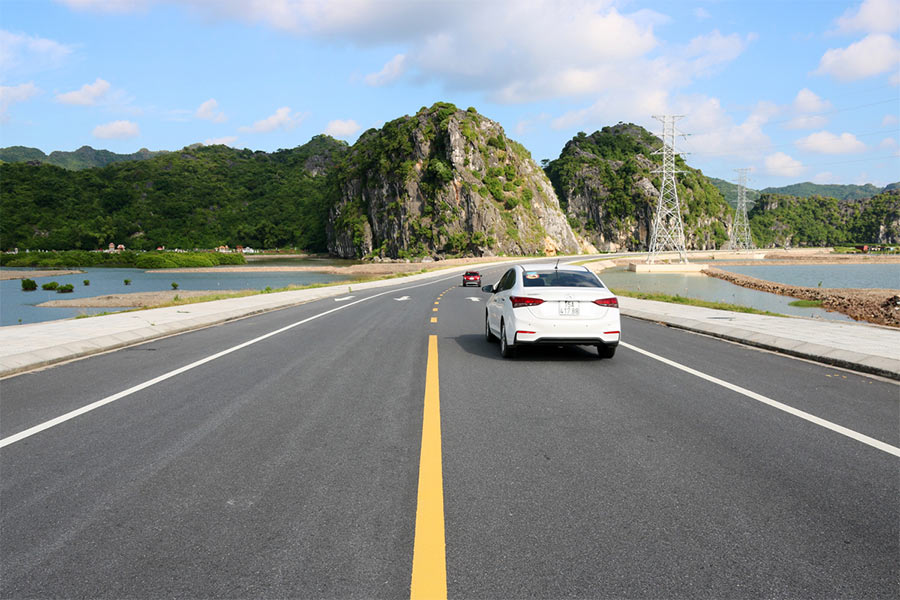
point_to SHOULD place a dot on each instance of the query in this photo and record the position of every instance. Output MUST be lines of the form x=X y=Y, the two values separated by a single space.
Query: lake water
x=711 y=289
x=18 y=307
x=883 y=275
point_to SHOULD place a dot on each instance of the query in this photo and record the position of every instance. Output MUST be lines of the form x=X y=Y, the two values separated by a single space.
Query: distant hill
x=778 y=220
x=83 y=158
x=831 y=190
x=198 y=197
x=806 y=189
x=729 y=191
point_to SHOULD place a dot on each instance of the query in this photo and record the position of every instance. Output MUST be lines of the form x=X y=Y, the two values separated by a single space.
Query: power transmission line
x=740 y=230
x=668 y=229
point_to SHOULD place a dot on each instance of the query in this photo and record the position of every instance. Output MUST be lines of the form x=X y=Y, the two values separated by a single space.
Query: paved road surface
x=291 y=467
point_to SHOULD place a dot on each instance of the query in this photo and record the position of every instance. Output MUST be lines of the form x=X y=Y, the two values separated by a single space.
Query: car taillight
x=608 y=302
x=520 y=301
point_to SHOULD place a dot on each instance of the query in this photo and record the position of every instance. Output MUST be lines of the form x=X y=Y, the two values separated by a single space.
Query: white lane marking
x=859 y=437
x=402 y=298
x=141 y=386
x=344 y=299
x=473 y=298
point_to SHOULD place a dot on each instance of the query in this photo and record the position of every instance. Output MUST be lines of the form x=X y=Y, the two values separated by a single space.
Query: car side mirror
x=488 y=288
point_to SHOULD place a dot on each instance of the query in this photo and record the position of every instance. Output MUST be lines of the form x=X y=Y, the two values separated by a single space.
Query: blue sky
x=794 y=90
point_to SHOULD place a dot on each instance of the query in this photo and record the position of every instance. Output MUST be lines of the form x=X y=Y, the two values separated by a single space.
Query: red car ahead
x=471 y=278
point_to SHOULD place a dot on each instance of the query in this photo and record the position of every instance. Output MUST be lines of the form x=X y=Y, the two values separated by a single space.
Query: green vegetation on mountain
x=730 y=191
x=606 y=185
x=819 y=221
x=831 y=190
x=200 y=197
x=443 y=182
x=83 y=158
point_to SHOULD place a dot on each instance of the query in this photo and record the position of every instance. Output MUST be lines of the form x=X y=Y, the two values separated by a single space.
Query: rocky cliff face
x=605 y=185
x=444 y=182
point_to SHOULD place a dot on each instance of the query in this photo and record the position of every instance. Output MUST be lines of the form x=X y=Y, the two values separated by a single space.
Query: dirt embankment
x=881 y=307
x=6 y=274
x=134 y=299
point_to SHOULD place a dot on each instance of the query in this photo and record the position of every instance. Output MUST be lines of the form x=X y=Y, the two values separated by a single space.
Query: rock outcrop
x=606 y=185
x=444 y=182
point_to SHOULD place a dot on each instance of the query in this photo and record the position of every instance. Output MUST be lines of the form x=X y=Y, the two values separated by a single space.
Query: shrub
x=174 y=286
x=50 y=286
x=29 y=285
x=65 y=289
x=87 y=282
x=127 y=282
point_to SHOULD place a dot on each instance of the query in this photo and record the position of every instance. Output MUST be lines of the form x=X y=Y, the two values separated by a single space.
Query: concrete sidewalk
x=866 y=348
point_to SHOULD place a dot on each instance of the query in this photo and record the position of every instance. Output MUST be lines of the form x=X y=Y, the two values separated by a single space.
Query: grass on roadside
x=676 y=299
x=807 y=303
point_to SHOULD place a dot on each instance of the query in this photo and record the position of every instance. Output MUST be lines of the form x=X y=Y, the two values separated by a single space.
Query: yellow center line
x=429 y=568
x=434 y=319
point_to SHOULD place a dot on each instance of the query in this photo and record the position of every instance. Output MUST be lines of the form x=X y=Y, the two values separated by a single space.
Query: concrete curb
x=847 y=359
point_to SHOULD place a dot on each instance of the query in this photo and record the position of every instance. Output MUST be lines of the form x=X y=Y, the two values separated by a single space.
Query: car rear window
x=560 y=279
x=471 y=273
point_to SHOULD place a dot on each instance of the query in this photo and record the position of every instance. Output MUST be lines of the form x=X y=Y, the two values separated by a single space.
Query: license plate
x=568 y=308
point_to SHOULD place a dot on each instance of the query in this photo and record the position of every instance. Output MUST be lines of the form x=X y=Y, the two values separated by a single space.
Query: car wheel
x=606 y=351
x=487 y=330
x=506 y=350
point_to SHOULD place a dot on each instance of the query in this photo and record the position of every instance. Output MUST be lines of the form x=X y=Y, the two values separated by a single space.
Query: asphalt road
x=290 y=467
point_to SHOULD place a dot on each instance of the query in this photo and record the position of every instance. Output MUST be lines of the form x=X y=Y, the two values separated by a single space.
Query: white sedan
x=554 y=305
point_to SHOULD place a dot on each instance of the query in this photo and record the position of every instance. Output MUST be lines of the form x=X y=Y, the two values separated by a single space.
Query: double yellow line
x=429 y=568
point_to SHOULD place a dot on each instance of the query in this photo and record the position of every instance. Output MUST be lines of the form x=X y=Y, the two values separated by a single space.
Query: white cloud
x=825 y=142
x=117 y=130
x=873 y=55
x=872 y=16
x=281 y=119
x=208 y=112
x=228 y=140
x=888 y=144
x=701 y=13
x=783 y=165
x=807 y=101
x=34 y=53
x=889 y=120
x=825 y=177
x=87 y=95
x=10 y=94
x=391 y=71
x=342 y=129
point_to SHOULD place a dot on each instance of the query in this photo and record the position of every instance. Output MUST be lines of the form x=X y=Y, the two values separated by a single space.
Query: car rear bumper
x=587 y=332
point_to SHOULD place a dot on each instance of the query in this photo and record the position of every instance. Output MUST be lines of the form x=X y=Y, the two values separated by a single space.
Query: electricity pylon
x=668 y=229
x=740 y=230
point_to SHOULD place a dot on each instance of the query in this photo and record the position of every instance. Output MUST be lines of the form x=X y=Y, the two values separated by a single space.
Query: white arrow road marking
x=344 y=299
x=401 y=299
x=473 y=298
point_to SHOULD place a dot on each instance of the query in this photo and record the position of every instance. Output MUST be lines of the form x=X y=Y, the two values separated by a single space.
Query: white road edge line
x=859 y=437
x=142 y=386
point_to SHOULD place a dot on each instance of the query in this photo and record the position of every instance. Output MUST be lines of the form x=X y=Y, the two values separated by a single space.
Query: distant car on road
x=554 y=305
x=471 y=278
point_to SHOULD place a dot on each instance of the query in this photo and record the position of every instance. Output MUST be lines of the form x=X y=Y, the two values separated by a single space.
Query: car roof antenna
x=556 y=268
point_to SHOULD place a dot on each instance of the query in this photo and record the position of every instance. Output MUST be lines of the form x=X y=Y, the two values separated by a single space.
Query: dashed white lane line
x=142 y=386
x=855 y=435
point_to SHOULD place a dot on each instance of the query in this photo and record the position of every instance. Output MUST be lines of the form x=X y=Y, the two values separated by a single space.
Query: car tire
x=506 y=350
x=488 y=335
x=606 y=351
